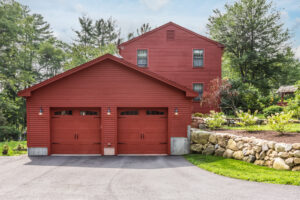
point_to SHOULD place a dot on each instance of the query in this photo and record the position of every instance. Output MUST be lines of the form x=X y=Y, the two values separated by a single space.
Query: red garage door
x=142 y=131
x=75 y=131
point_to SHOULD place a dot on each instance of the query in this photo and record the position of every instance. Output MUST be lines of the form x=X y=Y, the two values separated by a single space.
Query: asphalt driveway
x=154 y=178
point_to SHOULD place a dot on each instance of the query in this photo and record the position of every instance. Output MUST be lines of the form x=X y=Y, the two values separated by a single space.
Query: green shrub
x=198 y=114
x=215 y=120
x=20 y=147
x=280 y=121
x=294 y=105
x=5 y=149
x=9 y=133
x=272 y=110
x=247 y=119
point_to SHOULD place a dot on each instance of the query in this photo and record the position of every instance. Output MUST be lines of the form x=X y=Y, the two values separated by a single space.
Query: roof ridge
x=178 y=26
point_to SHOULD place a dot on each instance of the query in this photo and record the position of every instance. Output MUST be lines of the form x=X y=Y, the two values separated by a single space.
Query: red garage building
x=138 y=104
x=106 y=106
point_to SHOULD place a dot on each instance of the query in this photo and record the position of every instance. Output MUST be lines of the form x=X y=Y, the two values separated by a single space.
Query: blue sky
x=130 y=14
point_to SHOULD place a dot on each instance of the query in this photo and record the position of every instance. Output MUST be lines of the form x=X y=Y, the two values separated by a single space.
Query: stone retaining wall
x=260 y=152
x=198 y=122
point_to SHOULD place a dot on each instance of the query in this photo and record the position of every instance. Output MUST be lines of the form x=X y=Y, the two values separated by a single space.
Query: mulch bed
x=266 y=135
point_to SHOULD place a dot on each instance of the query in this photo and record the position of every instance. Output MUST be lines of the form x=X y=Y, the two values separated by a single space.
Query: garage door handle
x=55 y=143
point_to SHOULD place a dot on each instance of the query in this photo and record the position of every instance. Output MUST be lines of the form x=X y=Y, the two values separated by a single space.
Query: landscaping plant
x=294 y=104
x=5 y=149
x=215 y=120
x=272 y=110
x=280 y=121
x=247 y=120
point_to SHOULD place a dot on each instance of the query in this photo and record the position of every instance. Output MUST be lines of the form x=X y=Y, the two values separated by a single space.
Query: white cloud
x=155 y=4
x=297 y=52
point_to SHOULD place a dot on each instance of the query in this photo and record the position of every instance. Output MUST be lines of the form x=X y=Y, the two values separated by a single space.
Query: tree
x=143 y=29
x=29 y=53
x=94 y=39
x=106 y=32
x=255 y=40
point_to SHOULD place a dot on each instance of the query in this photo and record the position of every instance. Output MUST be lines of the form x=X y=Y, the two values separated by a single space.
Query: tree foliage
x=140 y=31
x=256 y=42
x=28 y=53
x=95 y=38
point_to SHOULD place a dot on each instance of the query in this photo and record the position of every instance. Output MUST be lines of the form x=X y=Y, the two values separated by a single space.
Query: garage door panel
x=155 y=148
x=75 y=131
x=145 y=132
x=88 y=148
x=130 y=149
x=63 y=149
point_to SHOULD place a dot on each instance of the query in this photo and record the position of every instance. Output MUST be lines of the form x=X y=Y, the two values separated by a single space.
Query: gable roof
x=177 y=26
x=188 y=92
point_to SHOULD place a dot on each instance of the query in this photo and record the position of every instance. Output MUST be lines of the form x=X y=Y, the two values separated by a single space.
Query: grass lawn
x=12 y=145
x=243 y=170
x=293 y=128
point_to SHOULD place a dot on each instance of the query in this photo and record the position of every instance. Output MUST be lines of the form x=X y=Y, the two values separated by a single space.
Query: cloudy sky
x=130 y=14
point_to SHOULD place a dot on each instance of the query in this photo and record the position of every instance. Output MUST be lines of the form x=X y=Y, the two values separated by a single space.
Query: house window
x=142 y=58
x=198 y=87
x=198 y=57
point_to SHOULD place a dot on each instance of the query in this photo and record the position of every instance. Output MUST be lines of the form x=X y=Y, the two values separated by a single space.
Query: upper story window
x=198 y=87
x=170 y=34
x=142 y=57
x=198 y=57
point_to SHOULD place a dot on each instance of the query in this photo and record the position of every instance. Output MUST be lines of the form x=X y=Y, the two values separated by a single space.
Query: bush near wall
x=280 y=156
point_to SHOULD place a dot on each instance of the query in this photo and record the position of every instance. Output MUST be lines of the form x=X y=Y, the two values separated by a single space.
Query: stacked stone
x=200 y=122
x=260 y=152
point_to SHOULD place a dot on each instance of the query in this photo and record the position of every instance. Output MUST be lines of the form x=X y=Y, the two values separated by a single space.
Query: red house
x=129 y=105
x=178 y=54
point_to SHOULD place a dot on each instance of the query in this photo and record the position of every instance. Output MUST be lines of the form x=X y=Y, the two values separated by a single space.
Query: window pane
x=198 y=87
x=130 y=112
x=142 y=58
x=154 y=112
x=88 y=112
x=198 y=57
x=63 y=112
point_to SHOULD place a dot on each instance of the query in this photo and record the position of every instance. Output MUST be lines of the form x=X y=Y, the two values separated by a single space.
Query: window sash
x=198 y=87
x=142 y=58
x=198 y=57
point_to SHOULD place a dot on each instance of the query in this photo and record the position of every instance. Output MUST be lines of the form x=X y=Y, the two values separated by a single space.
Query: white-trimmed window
x=142 y=57
x=198 y=55
x=198 y=87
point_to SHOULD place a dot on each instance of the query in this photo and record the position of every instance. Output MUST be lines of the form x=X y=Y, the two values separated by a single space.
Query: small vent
x=170 y=34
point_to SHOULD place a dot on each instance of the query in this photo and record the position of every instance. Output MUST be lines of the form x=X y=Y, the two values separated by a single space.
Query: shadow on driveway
x=129 y=162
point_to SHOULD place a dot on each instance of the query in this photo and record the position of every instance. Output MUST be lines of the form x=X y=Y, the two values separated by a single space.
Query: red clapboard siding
x=107 y=84
x=173 y=59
